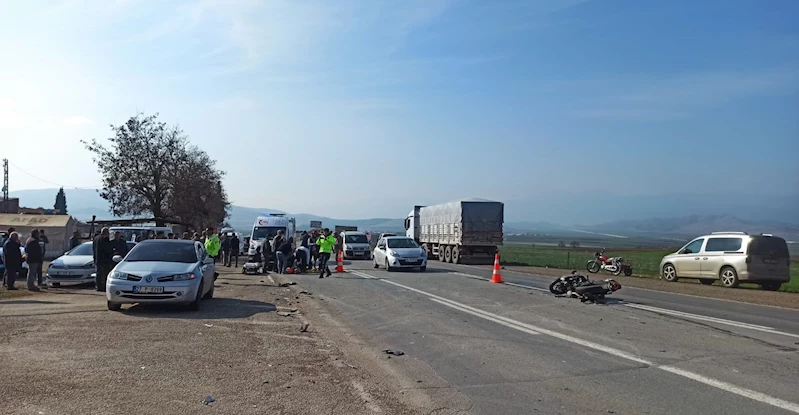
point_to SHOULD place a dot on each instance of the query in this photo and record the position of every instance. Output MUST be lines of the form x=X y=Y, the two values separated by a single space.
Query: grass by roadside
x=646 y=263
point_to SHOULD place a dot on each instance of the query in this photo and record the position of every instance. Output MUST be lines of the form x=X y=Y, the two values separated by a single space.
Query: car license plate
x=410 y=259
x=359 y=253
x=64 y=273
x=148 y=290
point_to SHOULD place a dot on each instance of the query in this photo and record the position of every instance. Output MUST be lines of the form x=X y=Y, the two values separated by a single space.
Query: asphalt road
x=513 y=349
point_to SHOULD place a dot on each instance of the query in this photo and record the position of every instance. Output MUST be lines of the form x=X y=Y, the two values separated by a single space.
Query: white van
x=356 y=245
x=266 y=227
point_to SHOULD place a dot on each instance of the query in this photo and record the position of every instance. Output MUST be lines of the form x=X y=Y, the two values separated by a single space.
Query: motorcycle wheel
x=628 y=271
x=592 y=266
x=558 y=287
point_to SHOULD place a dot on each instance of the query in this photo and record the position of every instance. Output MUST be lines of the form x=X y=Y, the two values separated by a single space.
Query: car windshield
x=769 y=246
x=82 y=249
x=356 y=239
x=163 y=252
x=401 y=243
x=259 y=233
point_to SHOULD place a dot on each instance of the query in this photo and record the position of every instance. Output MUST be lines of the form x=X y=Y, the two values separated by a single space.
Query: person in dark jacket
x=74 y=241
x=120 y=246
x=225 y=241
x=35 y=254
x=283 y=252
x=12 y=258
x=103 y=258
x=235 y=249
x=43 y=241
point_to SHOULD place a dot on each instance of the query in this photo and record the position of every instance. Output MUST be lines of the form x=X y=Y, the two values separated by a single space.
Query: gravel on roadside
x=63 y=352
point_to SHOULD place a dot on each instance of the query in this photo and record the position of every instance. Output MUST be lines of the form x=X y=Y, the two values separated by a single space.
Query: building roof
x=8 y=220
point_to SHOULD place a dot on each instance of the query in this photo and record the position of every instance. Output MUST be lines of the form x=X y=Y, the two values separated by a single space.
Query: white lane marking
x=529 y=287
x=711 y=319
x=717 y=320
x=746 y=393
x=484 y=315
x=728 y=387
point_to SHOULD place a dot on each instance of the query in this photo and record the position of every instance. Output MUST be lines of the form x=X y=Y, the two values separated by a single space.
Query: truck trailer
x=463 y=231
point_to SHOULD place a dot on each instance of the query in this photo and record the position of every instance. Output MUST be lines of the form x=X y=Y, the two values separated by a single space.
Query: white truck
x=266 y=227
x=463 y=231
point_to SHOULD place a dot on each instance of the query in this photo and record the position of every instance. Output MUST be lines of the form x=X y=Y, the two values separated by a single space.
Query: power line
x=54 y=183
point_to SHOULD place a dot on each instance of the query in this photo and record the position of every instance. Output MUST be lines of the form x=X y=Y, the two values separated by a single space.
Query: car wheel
x=771 y=286
x=114 y=306
x=706 y=281
x=422 y=269
x=55 y=284
x=374 y=263
x=210 y=294
x=195 y=305
x=670 y=273
x=388 y=268
x=448 y=254
x=729 y=277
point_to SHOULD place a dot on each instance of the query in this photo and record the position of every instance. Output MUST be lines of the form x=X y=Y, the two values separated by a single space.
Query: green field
x=645 y=262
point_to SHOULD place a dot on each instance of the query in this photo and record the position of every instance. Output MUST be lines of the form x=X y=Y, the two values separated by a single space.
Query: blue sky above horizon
x=395 y=103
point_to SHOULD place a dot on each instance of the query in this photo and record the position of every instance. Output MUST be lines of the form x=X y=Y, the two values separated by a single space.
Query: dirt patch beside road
x=63 y=352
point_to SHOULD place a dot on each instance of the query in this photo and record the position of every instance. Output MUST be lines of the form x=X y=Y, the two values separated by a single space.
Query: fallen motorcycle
x=567 y=283
x=579 y=286
x=614 y=265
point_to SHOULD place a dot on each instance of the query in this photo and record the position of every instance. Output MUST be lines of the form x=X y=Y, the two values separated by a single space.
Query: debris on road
x=352 y=366
x=306 y=292
x=285 y=314
x=208 y=325
x=304 y=327
x=394 y=352
x=208 y=400
x=286 y=284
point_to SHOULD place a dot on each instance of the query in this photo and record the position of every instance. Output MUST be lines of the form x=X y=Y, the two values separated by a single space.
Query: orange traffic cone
x=496 y=277
x=340 y=262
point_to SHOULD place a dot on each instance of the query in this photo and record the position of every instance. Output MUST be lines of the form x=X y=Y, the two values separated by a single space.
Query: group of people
x=313 y=252
x=13 y=258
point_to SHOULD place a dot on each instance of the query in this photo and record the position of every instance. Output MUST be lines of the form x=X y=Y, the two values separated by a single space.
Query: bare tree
x=574 y=244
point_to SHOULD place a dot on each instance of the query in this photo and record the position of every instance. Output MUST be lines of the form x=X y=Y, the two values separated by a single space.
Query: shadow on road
x=30 y=302
x=217 y=308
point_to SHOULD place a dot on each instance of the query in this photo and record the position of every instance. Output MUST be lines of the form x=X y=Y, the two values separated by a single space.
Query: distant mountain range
x=83 y=203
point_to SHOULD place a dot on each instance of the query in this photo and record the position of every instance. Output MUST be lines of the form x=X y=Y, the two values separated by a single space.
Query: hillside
x=695 y=225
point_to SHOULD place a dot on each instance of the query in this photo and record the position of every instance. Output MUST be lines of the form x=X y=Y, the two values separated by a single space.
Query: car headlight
x=392 y=253
x=183 y=277
x=116 y=275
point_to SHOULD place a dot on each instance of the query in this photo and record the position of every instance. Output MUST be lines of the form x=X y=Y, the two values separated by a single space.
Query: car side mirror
x=686 y=251
x=117 y=258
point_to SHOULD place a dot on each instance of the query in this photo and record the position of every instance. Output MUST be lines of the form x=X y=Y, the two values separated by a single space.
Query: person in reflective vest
x=326 y=243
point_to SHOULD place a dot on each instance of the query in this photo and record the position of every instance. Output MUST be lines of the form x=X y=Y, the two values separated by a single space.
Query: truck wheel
x=456 y=255
x=448 y=254
x=441 y=253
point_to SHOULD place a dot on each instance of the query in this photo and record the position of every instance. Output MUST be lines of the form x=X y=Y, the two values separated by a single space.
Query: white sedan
x=395 y=252
x=76 y=266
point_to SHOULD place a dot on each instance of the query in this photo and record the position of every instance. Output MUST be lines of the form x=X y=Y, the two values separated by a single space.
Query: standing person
x=74 y=240
x=33 y=250
x=235 y=248
x=43 y=241
x=12 y=258
x=314 y=248
x=212 y=244
x=283 y=251
x=119 y=244
x=326 y=243
x=170 y=235
x=225 y=242
x=103 y=258
x=185 y=236
x=306 y=238
x=195 y=237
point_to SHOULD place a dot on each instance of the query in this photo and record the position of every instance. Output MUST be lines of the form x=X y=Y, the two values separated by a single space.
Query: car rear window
x=769 y=246
x=163 y=252
x=723 y=245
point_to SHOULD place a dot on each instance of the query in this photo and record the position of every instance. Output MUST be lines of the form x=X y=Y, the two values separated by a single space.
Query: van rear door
x=769 y=259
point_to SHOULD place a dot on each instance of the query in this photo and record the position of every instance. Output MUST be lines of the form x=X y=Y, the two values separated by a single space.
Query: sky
x=365 y=108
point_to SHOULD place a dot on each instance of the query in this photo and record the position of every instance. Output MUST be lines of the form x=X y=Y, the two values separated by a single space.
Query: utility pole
x=5 y=185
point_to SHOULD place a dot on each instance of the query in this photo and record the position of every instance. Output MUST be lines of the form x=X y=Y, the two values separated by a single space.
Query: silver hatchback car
x=395 y=252
x=162 y=271
x=731 y=257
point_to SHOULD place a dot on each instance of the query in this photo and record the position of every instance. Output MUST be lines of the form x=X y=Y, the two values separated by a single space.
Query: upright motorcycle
x=614 y=265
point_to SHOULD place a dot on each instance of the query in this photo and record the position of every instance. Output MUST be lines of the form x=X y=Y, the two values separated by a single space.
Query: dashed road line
x=527 y=328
